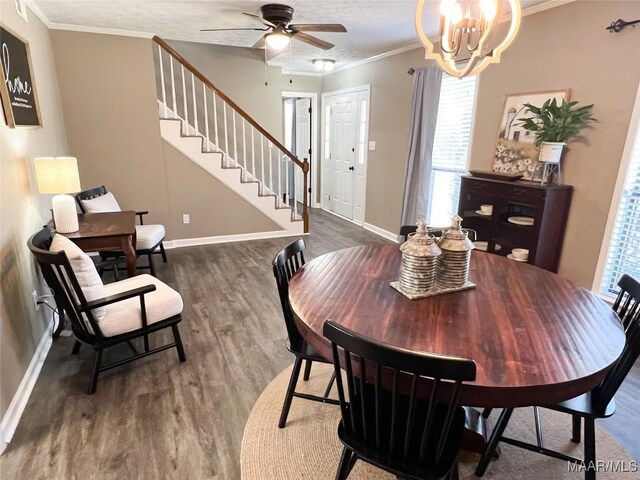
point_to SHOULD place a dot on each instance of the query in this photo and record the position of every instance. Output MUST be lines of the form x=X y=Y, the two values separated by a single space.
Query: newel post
x=305 y=194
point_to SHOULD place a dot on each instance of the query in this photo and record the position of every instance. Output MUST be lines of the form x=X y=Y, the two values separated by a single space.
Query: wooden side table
x=109 y=231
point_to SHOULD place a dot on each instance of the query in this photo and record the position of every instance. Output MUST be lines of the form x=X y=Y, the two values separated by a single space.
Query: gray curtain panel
x=424 y=114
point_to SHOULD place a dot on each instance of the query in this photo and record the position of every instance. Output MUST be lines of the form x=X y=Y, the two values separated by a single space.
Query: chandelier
x=466 y=28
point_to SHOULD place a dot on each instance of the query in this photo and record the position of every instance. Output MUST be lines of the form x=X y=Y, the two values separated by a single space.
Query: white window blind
x=450 y=147
x=624 y=250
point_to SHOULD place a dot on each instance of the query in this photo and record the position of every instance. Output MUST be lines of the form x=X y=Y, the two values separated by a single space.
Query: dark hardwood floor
x=157 y=418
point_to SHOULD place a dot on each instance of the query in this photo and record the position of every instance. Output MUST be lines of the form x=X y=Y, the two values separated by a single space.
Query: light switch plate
x=372 y=146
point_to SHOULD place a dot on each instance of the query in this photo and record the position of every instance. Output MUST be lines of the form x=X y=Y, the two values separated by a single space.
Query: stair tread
x=278 y=206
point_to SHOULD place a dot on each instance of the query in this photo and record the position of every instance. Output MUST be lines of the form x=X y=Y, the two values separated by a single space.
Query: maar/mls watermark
x=615 y=466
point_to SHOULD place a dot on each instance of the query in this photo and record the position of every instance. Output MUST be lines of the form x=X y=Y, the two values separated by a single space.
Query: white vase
x=550 y=152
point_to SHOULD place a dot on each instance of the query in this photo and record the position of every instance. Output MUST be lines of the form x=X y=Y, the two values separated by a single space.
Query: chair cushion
x=148 y=236
x=85 y=271
x=103 y=203
x=125 y=316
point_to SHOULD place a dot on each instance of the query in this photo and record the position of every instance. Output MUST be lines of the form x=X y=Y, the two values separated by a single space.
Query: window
x=624 y=249
x=450 y=147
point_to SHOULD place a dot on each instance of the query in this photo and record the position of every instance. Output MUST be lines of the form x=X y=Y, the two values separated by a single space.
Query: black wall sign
x=18 y=92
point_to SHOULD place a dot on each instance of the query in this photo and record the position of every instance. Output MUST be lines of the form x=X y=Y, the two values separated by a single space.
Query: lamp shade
x=57 y=175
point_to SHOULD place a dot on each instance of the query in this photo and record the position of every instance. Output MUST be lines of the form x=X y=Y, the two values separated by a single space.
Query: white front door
x=342 y=148
x=303 y=142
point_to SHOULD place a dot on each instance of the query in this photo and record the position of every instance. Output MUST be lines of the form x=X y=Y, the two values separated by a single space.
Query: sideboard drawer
x=501 y=189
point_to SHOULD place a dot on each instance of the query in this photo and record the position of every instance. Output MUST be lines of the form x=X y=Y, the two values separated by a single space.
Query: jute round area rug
x=308 y=448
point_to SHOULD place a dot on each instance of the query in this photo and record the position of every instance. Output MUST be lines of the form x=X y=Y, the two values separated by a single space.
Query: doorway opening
x=299 y=111
x=345 y=144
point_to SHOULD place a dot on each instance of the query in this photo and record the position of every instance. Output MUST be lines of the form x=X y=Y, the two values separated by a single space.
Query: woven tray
x=436 y=290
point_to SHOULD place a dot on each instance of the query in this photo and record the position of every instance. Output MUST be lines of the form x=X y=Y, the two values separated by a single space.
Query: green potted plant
x=553 y=125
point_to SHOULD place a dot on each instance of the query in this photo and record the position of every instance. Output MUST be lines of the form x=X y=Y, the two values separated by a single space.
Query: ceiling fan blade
x=260 y=19
x=260 y=43
x=271 y=54
x=318 y=27
x=315 y=41
x=231 y=29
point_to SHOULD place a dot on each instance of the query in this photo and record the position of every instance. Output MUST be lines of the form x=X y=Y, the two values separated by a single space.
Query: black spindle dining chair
x=409 y=436
x=598 y=403
x=405 y=230
x=285 y=264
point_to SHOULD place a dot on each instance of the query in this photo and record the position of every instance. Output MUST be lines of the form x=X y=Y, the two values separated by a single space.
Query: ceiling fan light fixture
x=323 y=65
x=278 y=40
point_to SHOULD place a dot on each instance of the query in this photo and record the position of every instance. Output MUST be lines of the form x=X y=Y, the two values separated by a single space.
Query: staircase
x=207 y=127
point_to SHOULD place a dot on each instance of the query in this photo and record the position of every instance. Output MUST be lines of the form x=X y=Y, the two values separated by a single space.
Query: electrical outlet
x=185 y=218
x=34 y=294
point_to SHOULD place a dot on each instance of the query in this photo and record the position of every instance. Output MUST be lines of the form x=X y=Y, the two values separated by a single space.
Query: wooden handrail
x=166 y=47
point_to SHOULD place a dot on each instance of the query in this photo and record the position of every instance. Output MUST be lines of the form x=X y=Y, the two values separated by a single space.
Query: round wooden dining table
x=536 y=337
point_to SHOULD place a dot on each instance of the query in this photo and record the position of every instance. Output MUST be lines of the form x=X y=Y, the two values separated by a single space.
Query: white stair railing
x=228 y=129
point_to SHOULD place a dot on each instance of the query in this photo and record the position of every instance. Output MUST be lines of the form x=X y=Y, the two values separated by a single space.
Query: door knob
x=351 y=168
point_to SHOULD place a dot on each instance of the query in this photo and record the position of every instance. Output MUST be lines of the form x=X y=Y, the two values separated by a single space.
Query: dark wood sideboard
x=547 y=204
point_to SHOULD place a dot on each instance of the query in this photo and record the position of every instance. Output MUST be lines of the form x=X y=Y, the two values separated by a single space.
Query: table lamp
x=60 y=176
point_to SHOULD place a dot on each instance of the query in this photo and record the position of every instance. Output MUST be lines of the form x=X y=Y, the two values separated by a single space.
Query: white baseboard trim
x=342 y=217
x=240 y=237
x=379 y=231
x=21 y=397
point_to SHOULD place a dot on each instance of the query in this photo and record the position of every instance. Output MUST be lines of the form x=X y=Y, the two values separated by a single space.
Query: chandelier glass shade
x=464 y=35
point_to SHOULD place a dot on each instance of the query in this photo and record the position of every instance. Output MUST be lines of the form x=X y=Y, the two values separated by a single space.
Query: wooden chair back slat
x=420 y=430
x=628 y=310
x=627 y=304
x=59 y=275
x=285 y=264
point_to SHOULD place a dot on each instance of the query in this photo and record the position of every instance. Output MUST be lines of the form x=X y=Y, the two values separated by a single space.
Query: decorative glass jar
x=419 y=262
x=453 y=264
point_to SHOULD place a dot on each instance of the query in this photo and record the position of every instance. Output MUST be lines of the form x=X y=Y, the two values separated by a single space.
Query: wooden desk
x=110 y=231
x=537 y=338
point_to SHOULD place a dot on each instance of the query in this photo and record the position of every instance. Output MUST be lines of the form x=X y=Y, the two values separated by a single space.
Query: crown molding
x=102 y=31
x=541 y=7
x=379 y=56
x=38 y=12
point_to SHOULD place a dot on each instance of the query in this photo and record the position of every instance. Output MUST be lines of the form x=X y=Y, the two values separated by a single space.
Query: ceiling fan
x=277 y=21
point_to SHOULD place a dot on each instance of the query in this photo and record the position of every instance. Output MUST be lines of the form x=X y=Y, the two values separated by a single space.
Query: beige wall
x=564 y=47
x=23 y=210
x=568 y=47
x=240 y=74
x=109 y=101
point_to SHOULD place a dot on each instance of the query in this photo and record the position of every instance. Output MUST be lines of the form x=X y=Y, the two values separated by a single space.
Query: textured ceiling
x=374 y=26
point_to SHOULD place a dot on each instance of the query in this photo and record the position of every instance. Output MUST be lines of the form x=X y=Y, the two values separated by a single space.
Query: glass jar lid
x=455 y=239
x=420 y=243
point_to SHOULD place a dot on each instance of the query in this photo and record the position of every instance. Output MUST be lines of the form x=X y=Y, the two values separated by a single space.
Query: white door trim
x=315 y=188
x=366 y=89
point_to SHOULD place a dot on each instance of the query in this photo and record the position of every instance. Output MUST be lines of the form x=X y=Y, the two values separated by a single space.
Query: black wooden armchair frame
x=58 y=273
x=410 y=437
x=287 y=262
x=598 y=403
x=157 y=249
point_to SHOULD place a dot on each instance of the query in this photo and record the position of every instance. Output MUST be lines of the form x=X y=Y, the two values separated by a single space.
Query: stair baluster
x=283 y=186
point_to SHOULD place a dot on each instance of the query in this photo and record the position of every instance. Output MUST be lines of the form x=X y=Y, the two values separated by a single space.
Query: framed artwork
x=515 y=151
x=17 y=90
x=21 y=8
